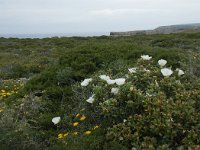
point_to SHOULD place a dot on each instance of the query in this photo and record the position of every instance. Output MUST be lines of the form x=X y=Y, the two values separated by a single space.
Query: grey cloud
x=50 y=16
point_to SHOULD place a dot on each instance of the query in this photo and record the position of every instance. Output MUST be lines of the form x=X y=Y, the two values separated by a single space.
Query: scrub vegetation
x=77 y=93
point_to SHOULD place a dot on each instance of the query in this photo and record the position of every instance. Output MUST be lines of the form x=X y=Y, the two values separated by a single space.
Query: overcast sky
x=78 y=16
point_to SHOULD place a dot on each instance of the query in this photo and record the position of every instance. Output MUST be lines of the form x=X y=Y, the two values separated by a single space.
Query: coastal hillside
x=139 y=92
x=184 y=28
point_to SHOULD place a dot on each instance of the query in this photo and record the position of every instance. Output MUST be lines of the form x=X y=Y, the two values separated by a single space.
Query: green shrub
x=149 y=112
x=160 y=111
x=65 y=76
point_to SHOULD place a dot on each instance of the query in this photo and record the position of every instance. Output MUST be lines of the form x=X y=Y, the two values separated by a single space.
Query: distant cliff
x=189 y=28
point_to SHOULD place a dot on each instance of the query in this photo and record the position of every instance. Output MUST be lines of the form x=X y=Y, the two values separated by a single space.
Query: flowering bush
x=11 y=86
x=18 y=124
x=152 y=108
x=135 y=105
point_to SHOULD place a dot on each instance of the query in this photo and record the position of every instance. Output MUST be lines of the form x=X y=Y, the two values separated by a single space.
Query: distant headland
x=186 y=28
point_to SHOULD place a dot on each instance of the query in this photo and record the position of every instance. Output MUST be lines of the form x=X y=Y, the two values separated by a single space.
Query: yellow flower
x=88 y=132
x=8 y=93
x=95 y=127
x=77 y=115
x=3 y=91
x=75 y=133
x=75 y=124
x=60 y=136
x=1 y=110
x=82 y=118
x=66 y=134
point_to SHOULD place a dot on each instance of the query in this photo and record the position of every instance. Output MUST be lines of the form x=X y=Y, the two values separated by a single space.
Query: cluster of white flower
x=167 y=71
x=120 y=81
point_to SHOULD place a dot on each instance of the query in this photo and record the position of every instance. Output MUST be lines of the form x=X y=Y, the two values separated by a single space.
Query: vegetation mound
x=100 y=93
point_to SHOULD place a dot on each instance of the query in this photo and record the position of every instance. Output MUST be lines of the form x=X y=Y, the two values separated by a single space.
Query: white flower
x=132 y=70
x=166 y=72
x=146 y=70
x=56 y=120
x=90 y=99
x=120 y=81
x=104 y=77
x=146 y=57
x=180 y=72
x=162 y=62
x=124 y=120
x=86 y=82
x=115 y=90
x=109 y=81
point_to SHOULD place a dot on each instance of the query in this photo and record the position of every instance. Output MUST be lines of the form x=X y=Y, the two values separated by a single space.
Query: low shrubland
x=99 y=93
